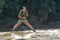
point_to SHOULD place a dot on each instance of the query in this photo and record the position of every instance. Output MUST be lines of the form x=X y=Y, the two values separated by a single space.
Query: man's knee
x=17 y=24
x=28 y=24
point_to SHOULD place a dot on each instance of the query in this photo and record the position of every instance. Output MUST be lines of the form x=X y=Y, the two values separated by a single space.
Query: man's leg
x=29 y=25
x=16 y=25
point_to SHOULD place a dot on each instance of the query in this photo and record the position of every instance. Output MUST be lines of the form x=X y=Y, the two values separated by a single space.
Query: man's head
x=24 y=8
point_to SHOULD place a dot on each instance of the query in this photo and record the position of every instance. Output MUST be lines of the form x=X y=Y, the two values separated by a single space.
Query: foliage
x=9 y=9
x=1 y=5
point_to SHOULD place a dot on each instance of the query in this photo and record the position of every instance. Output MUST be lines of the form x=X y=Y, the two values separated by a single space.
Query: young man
x=23 y=14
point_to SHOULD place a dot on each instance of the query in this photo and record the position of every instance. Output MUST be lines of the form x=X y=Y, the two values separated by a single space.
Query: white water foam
x=26 y=36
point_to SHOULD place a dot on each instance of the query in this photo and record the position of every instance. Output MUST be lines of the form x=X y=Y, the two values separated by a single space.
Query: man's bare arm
x=27 y=13
x=19 y=15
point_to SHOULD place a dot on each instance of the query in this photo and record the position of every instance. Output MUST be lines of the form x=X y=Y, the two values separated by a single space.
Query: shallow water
x=52 y=34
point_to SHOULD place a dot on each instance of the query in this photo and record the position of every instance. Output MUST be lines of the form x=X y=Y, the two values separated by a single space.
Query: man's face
x=24 y=8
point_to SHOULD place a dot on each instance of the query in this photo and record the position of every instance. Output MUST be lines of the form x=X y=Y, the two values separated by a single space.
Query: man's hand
x=24 y=17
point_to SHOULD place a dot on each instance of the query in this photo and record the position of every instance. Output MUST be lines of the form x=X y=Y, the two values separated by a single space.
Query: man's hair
x=24 y=7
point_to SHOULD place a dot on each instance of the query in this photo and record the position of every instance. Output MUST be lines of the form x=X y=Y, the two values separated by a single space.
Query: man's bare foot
x=34 y=30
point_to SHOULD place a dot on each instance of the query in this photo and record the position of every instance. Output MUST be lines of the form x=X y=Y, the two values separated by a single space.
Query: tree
x=1 y=5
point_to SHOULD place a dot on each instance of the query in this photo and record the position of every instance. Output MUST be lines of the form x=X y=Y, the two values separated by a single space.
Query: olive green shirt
x=23 y=14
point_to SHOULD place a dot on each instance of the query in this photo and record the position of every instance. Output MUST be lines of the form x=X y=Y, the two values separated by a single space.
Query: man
x=23 y=14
